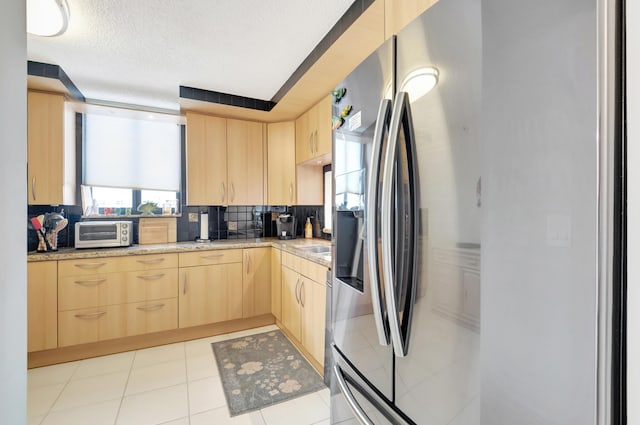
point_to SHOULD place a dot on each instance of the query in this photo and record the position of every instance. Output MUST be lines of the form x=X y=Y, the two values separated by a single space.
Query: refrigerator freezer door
x=438 y=381
x=354 y=325
x=354 y=401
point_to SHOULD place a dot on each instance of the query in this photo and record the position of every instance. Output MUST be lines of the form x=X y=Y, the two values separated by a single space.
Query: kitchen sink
x=316 y=249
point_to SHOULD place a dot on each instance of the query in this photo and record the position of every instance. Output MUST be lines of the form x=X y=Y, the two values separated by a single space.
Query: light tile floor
x=176 y=384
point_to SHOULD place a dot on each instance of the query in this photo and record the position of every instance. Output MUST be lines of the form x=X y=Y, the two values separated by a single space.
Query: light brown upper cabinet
x=245 y=165
x=313 y=134
x=51 y=154
x=281 y=166
x=398 y=13
x=206 y=160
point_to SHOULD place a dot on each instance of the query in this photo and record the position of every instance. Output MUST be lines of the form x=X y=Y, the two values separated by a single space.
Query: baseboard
x=112 y=346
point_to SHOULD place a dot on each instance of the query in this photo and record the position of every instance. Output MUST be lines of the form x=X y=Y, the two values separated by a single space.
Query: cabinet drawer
x=290 y=260
x=204 y=258
x=91 y=325
x=147 y=262
x=313 y=271
x=307 y=268
x=152 y=316
x=116 y=288
x=87 y=266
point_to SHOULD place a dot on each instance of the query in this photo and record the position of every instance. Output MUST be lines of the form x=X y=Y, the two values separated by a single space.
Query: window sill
x=130 y=216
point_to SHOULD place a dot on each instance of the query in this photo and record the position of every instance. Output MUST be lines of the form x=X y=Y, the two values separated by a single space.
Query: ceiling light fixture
x=47 y=18
x=420 y=82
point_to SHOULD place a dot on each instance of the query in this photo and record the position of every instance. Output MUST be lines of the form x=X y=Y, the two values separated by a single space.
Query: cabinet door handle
x=302 y=293
x=316 y=141
x=223 y=192
x=150 y=307
x=184 y=283
x=153 y=261
x=297 y=284
x=311 y=142
x=150 y=276
x=233 y=192
x=211 y=256
x=33 y=187
x=291 y=192
x=248 y=263
x=91 y=315
x=90 y=282
x=90 y=265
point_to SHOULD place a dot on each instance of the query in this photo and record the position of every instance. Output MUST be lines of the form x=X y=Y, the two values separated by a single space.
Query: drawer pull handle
x=90 y=265
x=154 y=261
x=151 y=276
x=212 y=256
x=151 y=307
x=90 y=282
x=91 y=315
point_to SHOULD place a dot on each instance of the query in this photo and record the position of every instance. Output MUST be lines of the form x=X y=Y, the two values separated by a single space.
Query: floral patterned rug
x=261 y=370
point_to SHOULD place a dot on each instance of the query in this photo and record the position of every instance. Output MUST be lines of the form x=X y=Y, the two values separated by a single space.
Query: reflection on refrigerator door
x=354 y=401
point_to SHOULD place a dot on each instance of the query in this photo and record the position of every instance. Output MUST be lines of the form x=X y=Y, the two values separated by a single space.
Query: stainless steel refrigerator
x=471 y=259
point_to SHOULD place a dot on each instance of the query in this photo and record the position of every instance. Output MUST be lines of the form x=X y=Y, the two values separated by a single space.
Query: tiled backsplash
x=239 y=222
x=234 y=222
x=66 y=237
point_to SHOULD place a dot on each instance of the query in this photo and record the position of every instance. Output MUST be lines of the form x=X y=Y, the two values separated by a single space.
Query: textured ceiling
x=139 y=52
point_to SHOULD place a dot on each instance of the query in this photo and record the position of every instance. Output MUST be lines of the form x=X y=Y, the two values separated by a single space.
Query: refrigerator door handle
x=353 y=403
x=384 y=115
x=401 y=109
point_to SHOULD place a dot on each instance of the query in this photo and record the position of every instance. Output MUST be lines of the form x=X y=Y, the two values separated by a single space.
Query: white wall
x=13 y=154
x=633 y=208
x=539 y=204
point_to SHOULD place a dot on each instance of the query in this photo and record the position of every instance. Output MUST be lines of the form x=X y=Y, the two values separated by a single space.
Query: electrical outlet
x=193 y=217
x=559 y=230
x=233 y=225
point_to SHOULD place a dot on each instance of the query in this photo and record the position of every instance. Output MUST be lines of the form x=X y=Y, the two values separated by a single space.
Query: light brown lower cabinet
x=303 y=303
x=42 y=305
x=276 y=283
x=313 y=302
x=107 y=298
x=73 y=302
x=210 y=294
x=152 y=316
x=256 y=281
x=291 y=308
x=116 y=321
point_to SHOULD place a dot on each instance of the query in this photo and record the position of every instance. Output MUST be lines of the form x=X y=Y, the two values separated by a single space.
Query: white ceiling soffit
x=139 y=52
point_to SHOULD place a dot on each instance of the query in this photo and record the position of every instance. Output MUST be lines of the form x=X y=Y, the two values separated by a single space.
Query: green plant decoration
x=146 y=208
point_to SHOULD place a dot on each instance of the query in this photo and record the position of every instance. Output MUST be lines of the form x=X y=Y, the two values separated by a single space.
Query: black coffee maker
x=286 y=226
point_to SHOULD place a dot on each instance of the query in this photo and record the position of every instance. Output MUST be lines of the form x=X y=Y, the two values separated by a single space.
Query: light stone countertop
x=292 y=246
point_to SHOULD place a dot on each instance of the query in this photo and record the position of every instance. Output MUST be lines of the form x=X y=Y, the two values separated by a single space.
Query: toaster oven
x=102 y=234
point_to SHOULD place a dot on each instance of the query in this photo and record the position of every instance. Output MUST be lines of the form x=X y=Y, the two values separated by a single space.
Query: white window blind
x=131 y=153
